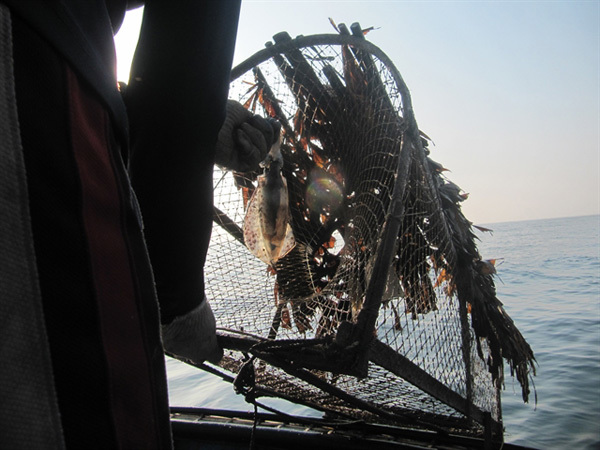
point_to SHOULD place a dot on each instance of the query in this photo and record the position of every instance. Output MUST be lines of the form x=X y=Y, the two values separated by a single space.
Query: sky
x=509 y=91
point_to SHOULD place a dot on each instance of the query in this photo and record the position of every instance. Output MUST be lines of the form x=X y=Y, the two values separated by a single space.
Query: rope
x=245 y=384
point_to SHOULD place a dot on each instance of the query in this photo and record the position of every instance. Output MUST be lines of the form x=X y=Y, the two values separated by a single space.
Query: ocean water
x=550 y=286
x=549 y=282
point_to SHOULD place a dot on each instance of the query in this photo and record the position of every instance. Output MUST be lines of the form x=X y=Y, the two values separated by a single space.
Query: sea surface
x=549 y=282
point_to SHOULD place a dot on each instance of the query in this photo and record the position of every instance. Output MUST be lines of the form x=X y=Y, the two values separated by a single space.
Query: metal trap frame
x=381 y=312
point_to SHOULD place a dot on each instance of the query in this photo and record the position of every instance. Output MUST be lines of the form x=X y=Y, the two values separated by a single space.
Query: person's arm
x=181 y=123
x=176 y=100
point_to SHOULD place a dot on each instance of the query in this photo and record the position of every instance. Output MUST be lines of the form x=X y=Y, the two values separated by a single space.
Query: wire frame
x=361 y=318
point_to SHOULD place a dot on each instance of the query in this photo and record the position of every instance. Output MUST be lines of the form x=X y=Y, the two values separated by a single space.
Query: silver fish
x=267 y=231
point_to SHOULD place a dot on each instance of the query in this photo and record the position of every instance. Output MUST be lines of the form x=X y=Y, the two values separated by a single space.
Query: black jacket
x=65 y=78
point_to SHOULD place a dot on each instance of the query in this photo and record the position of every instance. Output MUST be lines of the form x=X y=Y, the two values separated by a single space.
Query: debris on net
x=383 y=254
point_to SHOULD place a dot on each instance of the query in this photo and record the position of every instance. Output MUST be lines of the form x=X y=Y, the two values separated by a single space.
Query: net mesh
x=344 y=127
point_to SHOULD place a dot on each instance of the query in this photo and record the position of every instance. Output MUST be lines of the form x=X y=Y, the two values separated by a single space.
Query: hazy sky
x=507 y=90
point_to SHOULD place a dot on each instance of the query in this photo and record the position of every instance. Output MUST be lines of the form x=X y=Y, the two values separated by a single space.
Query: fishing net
x=383 y=310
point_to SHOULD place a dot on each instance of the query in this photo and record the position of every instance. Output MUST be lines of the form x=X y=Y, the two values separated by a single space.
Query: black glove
x=244 y=139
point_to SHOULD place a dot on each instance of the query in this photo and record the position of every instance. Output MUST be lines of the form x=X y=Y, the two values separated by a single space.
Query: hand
x=244 y=139
x=193 y=337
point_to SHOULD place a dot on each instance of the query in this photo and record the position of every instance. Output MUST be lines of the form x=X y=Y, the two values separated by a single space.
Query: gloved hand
x=193 y=336
x=244 y=139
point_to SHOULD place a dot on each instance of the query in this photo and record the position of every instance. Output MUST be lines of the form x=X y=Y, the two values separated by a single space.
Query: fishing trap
x=383 y=311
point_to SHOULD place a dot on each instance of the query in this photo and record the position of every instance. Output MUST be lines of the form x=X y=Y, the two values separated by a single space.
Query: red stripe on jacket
x=122 y=333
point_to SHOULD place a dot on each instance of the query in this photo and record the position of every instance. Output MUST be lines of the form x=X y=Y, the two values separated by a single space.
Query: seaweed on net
x=385 y=282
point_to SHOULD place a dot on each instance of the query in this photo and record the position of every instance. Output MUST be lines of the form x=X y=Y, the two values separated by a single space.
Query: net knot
x=245 y=381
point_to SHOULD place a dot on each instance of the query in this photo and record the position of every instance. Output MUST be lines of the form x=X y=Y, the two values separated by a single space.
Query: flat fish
x=267 y=231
